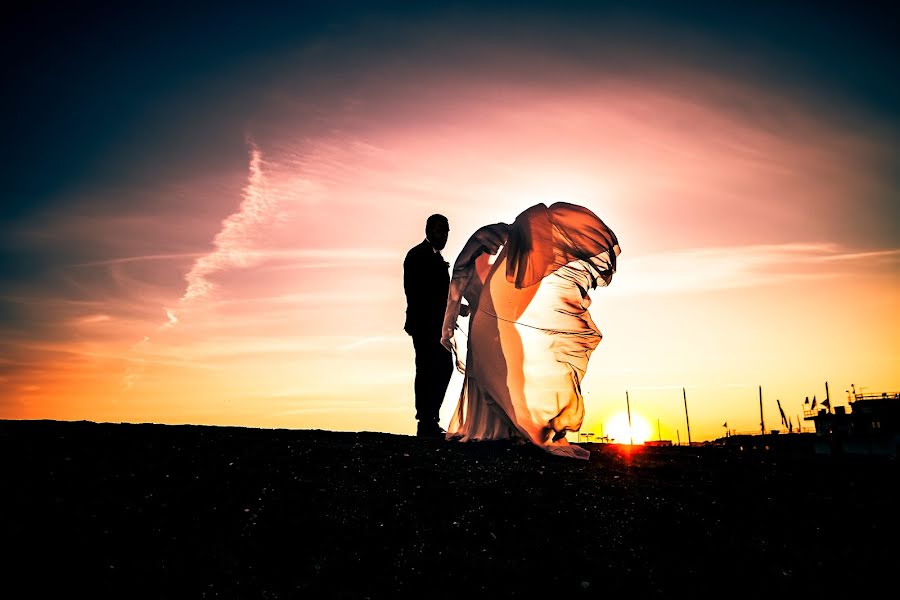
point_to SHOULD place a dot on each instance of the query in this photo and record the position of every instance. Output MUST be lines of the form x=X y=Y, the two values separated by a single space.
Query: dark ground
x=164 y=511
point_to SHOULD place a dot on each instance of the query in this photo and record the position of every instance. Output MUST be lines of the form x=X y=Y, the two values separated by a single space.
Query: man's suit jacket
x=426 y=281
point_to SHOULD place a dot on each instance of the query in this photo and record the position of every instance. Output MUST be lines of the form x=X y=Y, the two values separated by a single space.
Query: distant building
x=658 y=443
x=871 y=427
x=775 y=440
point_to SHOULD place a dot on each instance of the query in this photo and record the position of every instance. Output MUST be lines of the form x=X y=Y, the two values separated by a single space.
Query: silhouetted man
x=426 y=281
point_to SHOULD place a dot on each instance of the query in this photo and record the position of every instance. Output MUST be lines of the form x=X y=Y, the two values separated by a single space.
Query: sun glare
x=619 y=433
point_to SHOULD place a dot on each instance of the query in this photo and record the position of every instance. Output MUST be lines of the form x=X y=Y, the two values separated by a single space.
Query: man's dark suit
x=426 y=281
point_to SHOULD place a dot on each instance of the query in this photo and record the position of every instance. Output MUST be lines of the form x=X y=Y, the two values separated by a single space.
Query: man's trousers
x=434 y=366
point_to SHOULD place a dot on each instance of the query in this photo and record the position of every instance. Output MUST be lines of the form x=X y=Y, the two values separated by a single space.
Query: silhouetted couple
x=530 y=334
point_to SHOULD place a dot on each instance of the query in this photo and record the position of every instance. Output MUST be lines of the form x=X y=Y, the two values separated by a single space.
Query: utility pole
x=686 y=417
x=762 y=422
x=678 y=433
x=630 y=433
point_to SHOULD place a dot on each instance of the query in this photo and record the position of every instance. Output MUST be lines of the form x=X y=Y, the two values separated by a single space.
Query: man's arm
x=411 y=285
x=415 y=295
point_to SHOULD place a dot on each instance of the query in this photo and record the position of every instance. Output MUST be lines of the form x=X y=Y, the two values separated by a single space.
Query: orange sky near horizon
x=751 y=219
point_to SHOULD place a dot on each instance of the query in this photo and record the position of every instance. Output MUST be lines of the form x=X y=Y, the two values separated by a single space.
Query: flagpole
x=827 y=398
x=686 y=417
x=630 y=433
x=762 y=421
x=658 y=431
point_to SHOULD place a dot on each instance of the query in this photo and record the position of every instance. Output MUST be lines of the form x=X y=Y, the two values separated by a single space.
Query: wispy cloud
x=850 y=256
x=139 y=258
x=297 y=257
x=172 y=319
x=721 y=268
x=91 y=319
x=244 y=238
x=234 y=242
x=235 y=246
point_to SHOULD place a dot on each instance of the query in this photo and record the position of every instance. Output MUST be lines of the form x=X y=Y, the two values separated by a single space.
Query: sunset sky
x=206 y=212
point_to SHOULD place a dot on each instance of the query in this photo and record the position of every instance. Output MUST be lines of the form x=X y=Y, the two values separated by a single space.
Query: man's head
x=437 y=227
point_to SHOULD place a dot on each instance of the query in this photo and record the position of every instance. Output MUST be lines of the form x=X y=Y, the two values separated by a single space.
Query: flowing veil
x=530 y=332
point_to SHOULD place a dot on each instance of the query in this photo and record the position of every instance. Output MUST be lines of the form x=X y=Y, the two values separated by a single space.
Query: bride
x=530 y=334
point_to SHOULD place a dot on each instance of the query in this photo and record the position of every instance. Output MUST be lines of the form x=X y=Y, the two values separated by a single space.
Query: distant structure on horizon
x=658 y=443
x=871 y=427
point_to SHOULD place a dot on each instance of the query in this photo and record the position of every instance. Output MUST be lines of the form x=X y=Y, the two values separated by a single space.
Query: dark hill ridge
x=189 y=511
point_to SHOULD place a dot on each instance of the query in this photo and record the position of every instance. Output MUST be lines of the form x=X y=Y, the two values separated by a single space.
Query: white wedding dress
x=530 y=333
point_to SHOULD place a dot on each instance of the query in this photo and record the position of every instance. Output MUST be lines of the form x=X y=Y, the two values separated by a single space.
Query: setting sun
x=618 y=431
